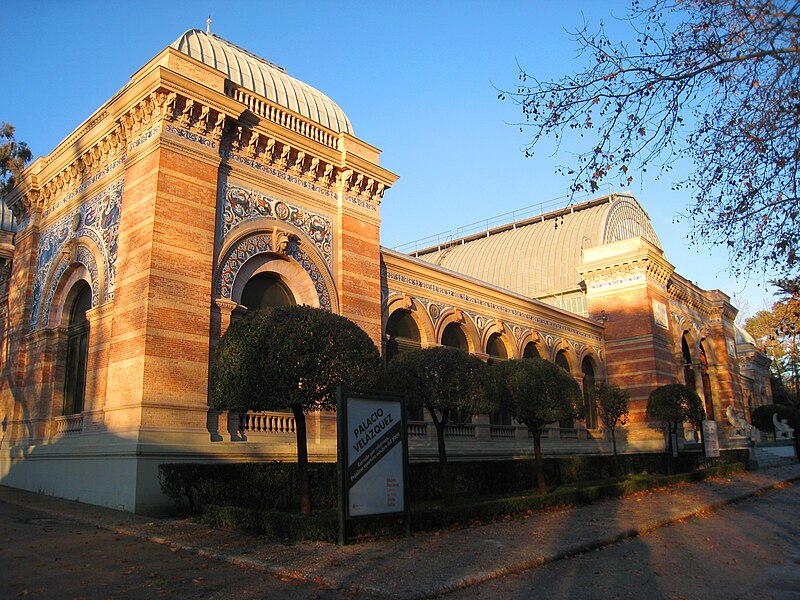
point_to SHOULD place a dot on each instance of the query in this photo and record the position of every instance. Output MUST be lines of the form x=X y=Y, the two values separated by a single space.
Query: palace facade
x=214 y=182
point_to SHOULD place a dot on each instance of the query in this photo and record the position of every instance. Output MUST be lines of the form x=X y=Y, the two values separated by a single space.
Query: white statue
x=782 y=429
x=739 y=425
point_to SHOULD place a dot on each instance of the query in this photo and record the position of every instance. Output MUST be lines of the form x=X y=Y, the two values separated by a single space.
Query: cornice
x=628 y=262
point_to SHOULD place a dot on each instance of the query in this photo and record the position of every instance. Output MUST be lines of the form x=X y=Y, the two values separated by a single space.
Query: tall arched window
x=590 y=406
x=265 y=290
x=453 y=337
x=563 y=362
x=688 y=370
x=77 y=351
x=706 y=384
x=402 y=333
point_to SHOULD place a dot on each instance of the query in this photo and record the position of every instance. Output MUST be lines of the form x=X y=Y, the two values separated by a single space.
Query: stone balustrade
x=69 y=424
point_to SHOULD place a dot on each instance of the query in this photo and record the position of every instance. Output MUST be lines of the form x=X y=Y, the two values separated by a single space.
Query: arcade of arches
x=255 y=198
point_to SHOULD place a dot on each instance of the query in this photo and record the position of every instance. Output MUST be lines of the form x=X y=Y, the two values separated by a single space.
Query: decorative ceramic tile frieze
x=361 y=202
x=261 y=243
x=147 y=135
x=191 y=136
x=96 y=219
x=241 y=204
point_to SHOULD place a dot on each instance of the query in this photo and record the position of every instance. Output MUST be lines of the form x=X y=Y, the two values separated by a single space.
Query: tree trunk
x=444 y=472
x=537 y=454
x=614 y=450
x=303 y=484
x=670 y=468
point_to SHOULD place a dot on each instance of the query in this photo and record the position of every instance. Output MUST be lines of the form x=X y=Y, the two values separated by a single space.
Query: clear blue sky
x=417 y=79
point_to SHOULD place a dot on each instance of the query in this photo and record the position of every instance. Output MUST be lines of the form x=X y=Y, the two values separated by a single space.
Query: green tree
x=713 y=82
x=449 y=383
x=777 y=333
x=612 y=404
x=673 y=404
x=14 y=156
x=292 y=357
x=537 y=392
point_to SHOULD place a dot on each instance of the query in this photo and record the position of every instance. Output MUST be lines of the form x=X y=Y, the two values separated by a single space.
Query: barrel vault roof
x=541 y=255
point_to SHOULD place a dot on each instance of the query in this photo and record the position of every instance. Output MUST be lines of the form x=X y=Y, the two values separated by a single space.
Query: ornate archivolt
x=418 y=311
x=277 y=242
x=92 y=225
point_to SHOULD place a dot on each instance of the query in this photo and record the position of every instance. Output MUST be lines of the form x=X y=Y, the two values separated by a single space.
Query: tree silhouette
x=537 y=392
x=14 y=156
x=292 y=357
x=711 y=81
x=449 y=383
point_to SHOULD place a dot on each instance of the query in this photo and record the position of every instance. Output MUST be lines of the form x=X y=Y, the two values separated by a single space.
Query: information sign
x=372 y=455
x=710 y=439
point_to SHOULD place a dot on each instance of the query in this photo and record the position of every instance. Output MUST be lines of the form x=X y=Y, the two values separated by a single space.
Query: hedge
x=323 y=525
x=272 y=485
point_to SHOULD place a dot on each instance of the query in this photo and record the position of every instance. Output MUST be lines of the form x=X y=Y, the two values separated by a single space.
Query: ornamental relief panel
x=96 y=219
x=241 y=204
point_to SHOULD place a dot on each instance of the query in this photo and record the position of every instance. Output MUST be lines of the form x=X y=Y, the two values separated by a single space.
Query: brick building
x=214 y=182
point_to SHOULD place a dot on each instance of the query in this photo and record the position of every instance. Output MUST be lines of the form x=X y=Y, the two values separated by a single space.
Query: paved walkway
x=428 y=564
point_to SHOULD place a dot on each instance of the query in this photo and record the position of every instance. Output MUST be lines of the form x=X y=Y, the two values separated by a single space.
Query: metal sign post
x=372 y=453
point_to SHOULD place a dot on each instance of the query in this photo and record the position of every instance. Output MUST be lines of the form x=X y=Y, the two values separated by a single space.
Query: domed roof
x=540 y=255
x=263 y=78
x=742 y=337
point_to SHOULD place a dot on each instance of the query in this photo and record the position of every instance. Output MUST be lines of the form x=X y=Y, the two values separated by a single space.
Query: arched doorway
x=453 y=336
x=77 y=350
x=589 y=403
x=402 y=334
x=265 y=290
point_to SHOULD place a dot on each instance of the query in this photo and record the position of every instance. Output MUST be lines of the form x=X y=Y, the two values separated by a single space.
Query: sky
x=418 y=80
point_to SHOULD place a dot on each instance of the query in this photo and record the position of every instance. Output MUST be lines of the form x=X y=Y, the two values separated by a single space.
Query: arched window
x=562 y=361
x=402 y=333
x=496 y=348
x=453 y=337
x=264 y=290
x=77 y=351
x=531 y=351
x=590 y=405
x=706 y=384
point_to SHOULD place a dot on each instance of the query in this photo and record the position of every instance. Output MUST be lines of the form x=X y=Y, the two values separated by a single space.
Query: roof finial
x=208 y=25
